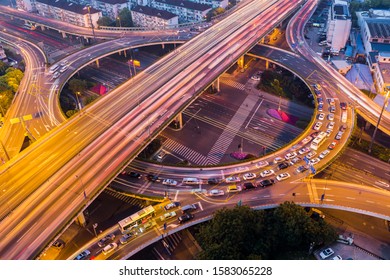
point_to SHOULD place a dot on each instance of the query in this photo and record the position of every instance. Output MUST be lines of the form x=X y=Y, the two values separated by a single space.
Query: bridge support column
x=178 y=121
x=43 y=28
x=125 y=53
x=162 y=46
x=63 y=34
x=266 y=64
x=215 y=85
x=241 y=62
x=97 y=63
x=367 y=126
x=81 y=220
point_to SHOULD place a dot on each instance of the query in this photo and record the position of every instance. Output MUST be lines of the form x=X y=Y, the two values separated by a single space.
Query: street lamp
x=90 y=21
x=77 y=99
x=387 y=89
x=120 y=23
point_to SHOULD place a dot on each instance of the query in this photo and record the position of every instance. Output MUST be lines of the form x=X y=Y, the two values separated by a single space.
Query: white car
x=290 y=155
x=56 y=75
x=266 y=173
x=283 y=176
x=307 y=140
x=172 y=205
x=255 y=78
x=331 y=101
x=331 y=117
x=215 y=192
x=326 y=253
x=64 y=62
x=169 y=182
x=249 y=176
x=261 y=164
x=295 y=160
x=328 y=132
x=331 y=125
x=321 y=116
x=304 y=150
x=317 y=126
x=232 y=179
x=278 y=159
x=311 y=155
x=63 y=69
x=324 y=154
x=337 y=258
x=109 y=248
x=314 y=161
x=168 y=215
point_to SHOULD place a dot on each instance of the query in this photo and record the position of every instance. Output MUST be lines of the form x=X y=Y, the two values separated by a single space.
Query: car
x=302 y=168
x=249 y=176
x=307 y=139
x=283 y=176
x=262 y=163
x=318 y=93
x=172 y=205
x=56 y=75
x=213 y=181
x=324 y=154
x=265 y=183
x=320 y=107
x=64 y=62
x=330 y=116
x=331 y=101
x=160 y=156
x=338 y=135
x=106 y=239
x=295 y=160
x=168 y=215
x=304 y=150
x=328 y=132
x=317 y=86
x=169 y=182
x=132 y=174
x=317 y=126
x=234 y=188
x=321 y=116
x=267 y=173
x=343 y=127
x=314 y=161
x=331 y=125
x=248 y=186
x=126 y=238
x=186 y=217
x=337 y=258
x=109 y=248
x=146 y=226
x=63 y=69
x=232 y=179
x=343 y=106
x=58 y=244
x=326 y=253
x=278 y=159
x=255 y=78
x=215 y=192
x=83 y=255
x=332 y=109
x=283 y=165
x=290 y=155
x=311 y=155
x=320 y=100
x=332 y=145
x=152 y=178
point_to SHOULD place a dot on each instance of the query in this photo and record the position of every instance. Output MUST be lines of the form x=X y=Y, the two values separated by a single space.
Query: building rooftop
x=153 y=12
x=69 y=6
x=380 y=47
x=186 y=4
x=379 y=28
x=385 y=70
x=112 y=2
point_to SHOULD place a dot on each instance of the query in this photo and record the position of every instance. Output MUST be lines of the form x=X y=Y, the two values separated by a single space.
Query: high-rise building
x=339 y=25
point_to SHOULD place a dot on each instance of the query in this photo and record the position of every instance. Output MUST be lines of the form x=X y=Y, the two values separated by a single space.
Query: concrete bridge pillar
x=367 y=126
x=43 y=28
x=97 y=63
x=241 y=62
x=63 y=34
x=215 y=85
x=125 y=53
x=266 y=64
x=81 y=220
x=162 y=46
x=178 y=121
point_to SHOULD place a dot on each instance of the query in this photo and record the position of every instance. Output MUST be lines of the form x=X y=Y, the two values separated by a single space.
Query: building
x=110 y=8
x=381 y=72
x=213 y=3
x=3 y=56
x=339 y=26
x=68 y=12
x=25 y=5
x=187 y=11
x=153 y=18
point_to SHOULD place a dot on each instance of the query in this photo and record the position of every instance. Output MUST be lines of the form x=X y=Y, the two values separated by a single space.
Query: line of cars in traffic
x=57 y=69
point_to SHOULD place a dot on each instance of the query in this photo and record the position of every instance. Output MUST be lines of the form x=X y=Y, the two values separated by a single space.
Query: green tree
x=105 y=21
x=11 y=79
x=125 y=18
x=70 y=113
x=77 y=85
x=6 y=97
x=3 y=68
x=278 y=89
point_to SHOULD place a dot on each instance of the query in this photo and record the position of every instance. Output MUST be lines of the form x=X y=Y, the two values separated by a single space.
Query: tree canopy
x=125 y=18
x=243 y=233
x=105 y=21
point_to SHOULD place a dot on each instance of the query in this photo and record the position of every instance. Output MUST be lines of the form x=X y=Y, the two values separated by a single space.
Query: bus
x=139 y=218
x=317 y=142
x=344 y=117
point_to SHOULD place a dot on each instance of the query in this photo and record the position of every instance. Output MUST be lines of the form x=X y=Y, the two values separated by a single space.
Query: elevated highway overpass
x=71 y=165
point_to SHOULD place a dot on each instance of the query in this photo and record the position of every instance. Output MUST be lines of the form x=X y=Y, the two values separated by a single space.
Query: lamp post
x=77 y=99
x=94 y=228
x=120 y=23
x=379 y=119
x=90 y=21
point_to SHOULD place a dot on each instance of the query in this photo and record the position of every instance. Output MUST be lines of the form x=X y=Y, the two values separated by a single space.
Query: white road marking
x=200 y=206
x=348 y=197
x=177 y=193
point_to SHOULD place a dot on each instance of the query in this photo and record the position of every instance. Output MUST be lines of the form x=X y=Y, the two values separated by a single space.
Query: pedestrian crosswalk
x=189 y=154
x=125 y=198
x=164 y=249
x=229 y=82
